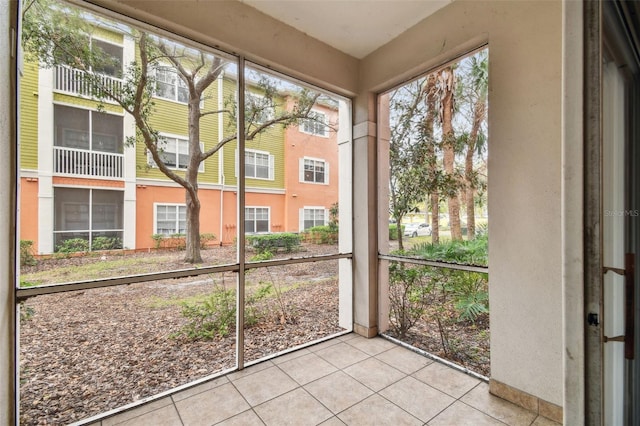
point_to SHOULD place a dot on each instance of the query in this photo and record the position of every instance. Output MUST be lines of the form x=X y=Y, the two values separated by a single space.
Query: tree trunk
x=479 y=112
x=434 y=199
x=400 y=233
x=192 y=251
x=448 y=141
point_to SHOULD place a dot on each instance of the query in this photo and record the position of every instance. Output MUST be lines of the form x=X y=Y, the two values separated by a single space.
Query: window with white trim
x=316 y=124
x=174 y=152
x=258 y=164
x=87 y=130
x=170 y=219
x=313 y=216
x=256 y=219
x=169 y=85
x=314 y=171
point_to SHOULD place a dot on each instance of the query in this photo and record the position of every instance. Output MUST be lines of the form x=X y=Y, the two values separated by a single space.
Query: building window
x=313 y=216
x=87 y=130
x=256 y=219
x=111 y=64
x=170 y=219
x=315 y=125
x=174 y=152
x=259 y=165
x=87 y=214
x=170 y=86
x=314 y=171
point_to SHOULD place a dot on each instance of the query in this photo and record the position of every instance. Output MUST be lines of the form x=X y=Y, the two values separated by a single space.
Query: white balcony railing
x=80 y=162
x=75 y=82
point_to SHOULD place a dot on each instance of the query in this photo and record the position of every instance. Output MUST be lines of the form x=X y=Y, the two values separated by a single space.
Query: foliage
x=205 y=239
x=26 y=312
x=322 y=234
x=474 y=252
x=106 y=243
x=158 y=239
x=262 y=256
x=26 y=253
x=334 y=212
x=272 y=242
x=73 y=245
x=171 y=241
x=408 y=288
x=393 y=231
x=215 y=315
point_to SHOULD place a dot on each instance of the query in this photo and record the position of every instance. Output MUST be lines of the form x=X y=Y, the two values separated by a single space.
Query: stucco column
x=365 y=248
x=7 y=208
x=572 y=215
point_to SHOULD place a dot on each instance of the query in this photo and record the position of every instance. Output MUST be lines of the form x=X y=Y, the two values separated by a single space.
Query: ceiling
x=355 y=27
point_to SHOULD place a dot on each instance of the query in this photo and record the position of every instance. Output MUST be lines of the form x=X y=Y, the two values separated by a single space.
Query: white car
x=417 y=229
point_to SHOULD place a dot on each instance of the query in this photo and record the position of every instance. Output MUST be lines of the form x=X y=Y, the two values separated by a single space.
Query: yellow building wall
x=29 y=117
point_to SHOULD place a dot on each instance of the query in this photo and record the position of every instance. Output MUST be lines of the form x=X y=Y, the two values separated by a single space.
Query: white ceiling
x=355 y=27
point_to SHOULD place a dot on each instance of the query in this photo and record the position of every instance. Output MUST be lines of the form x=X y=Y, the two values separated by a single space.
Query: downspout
x=221 y=177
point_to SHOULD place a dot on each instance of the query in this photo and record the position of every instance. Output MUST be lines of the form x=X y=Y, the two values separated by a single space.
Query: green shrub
x=393 y=231
x=473 y=252
x=26 y=253
x=205 y=239
x=215 y=316
x=265 y=255
x=73 y=245
x=158 y=239
x=26 y=312
x=106 y=243
x=322 y=234
x=409 y=288
x=272 y=242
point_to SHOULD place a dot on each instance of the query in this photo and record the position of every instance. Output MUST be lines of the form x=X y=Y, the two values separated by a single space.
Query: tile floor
x=349 y=380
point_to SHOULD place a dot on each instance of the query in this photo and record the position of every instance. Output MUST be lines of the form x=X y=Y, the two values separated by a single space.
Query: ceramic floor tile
x=264 y=385
x=374 y=374
x=446 y=379
x=376 y=410
x=371 y=346
x=250 y=370
x=212 y=406
x=291 y=355
x=199 y=388
x=403 y=359
x=136 y=412
x=480 y=399
x=460 y=414
x=324 y=345
x=333 y=421
x=420 y=400
x=543 y=421
x=165 y=416
x=294 y=408
x=246 y=418
x=347 y=337
x=342 y=355
x=307 y=368
x=338 y=391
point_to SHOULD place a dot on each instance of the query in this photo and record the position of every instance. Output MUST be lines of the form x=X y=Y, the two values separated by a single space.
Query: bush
x=106 y=243
x=73 y=245
x=265 y=255
x=273 y=242
x=26 y=253
x=205 y=239
x=322 y=234
x=174 y=241
x=409 y=288
x=393 y=231
x=215 y=316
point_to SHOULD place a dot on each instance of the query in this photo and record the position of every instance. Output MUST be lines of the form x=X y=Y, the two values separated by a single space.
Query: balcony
x=84 y=163
x=75 y=82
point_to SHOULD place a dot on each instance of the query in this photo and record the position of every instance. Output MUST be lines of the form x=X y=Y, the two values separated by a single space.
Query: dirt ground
x=86 y=352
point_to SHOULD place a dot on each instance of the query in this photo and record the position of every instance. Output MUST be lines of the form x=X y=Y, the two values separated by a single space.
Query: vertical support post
x=592 y=209
x=240 y=219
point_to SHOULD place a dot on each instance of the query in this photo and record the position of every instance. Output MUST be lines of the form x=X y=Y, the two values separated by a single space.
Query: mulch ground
x=86 y=352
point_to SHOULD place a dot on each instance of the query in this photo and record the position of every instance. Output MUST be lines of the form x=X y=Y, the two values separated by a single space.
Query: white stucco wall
x=525 y=258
